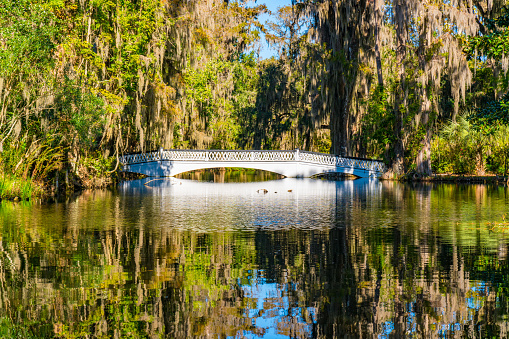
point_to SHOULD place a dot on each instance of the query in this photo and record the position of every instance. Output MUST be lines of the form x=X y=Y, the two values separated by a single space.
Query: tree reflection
x=396 y=260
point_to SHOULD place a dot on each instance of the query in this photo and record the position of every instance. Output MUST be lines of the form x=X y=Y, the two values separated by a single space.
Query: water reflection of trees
x=415 y=272
x=413 y=260
x=222 y=175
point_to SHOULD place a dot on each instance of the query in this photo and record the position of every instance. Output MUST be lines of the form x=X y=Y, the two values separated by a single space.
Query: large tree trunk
x=423 y=160
x=340 y=121
x=378 y=19
x=342 y=35
x=397 y=167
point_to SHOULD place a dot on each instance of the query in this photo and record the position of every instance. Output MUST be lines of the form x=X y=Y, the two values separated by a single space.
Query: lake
x=288 y=258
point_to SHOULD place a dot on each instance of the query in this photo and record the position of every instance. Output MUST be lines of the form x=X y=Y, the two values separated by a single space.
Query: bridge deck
x=294 y=163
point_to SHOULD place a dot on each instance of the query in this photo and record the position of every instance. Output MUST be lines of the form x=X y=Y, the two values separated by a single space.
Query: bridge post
x=207 y=155
x=296 y=154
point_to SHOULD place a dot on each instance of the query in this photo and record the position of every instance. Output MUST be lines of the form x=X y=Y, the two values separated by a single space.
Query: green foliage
x=96 y=171
x=12 y=187
x=494 y=44
x=24 y=166
x=28 y=30
x=101 y=166
x=378 y=123
x=31 y=160
x=462 y=148
x=322 y=143
x=490 y=119
x=220 y=91
x=281 y=117
x=135 y=24
x=79 y=116
x=498 y=159
x=29 y=33
x=200 y=84
x=413 y=146
x=489 y=116
x=459 y=137
x=10 y=330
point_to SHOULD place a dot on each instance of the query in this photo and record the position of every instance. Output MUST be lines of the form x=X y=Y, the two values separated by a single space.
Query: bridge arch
x=210 y=166
x=295 y=164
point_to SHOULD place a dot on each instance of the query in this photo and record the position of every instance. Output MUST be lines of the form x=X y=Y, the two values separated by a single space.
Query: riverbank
x=15 y=188
x=444 y=178
x=18 y=189
x=460 y=178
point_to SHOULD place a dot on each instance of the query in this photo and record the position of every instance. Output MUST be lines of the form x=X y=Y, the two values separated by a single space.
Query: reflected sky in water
x=273 y=205
x=289 y=258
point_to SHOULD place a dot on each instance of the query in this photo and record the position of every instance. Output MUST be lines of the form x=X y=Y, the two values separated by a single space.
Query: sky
x=272 y=5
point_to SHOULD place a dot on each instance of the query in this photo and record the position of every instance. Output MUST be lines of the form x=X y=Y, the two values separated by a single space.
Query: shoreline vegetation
x=19 y=189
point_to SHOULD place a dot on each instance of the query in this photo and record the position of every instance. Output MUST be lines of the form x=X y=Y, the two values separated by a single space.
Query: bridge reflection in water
x=289 y=258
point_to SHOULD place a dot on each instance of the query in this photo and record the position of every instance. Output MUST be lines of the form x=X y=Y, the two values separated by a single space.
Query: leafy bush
x=491 y=115
x=467 y=147
x=498 y=160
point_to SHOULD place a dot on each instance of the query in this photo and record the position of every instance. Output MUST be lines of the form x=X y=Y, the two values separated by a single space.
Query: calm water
x=305 y=258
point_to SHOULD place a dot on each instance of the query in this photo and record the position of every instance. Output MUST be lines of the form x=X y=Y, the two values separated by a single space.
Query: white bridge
x=292 y=164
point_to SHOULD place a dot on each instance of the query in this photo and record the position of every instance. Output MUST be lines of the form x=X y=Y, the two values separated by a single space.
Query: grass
x=12 y=187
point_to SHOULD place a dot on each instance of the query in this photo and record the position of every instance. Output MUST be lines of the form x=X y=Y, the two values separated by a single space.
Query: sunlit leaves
x=220 y=91
x=27 y=37
x=495 y=43
x=378 y=123
x=471 y=145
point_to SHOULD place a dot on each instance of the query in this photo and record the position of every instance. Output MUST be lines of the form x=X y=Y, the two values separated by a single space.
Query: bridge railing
x=335 y=160
x=258 y=155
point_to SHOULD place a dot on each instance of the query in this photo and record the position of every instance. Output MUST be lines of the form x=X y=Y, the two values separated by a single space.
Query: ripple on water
x=179 y=258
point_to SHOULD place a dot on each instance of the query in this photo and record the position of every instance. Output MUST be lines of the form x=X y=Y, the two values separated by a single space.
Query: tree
x=415 y=47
